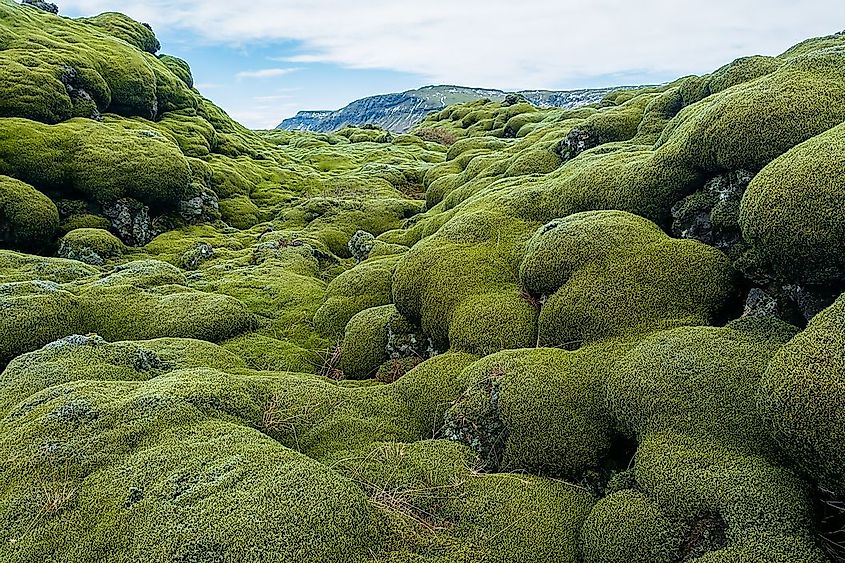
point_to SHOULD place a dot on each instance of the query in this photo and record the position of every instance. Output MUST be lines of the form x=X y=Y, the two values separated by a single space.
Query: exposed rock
x=577 y=141
x=84 y=104
x=513 y=99
x=85 y=255
x=711 y=214
x=203 y=207
x=760 y=304
x=361 y=244
x=46 y=6
x=131 y=220
x=196 y=256
x=76 y=340
x=405 y=340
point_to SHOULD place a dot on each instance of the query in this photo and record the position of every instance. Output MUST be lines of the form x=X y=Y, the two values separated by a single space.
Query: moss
x=178 y=67
x=629 y=526
x=121 y=312
x=16 y=267
x=364 y=286
x=84 y=221
x=155 y=451
x=264 y=353
x=791 y=211
x=91 y=358
x=533 y=162
x=28 y=219
x=127 y=29
x=37 y=312
x=801 y=397
x=657 y=282
x=749 y=125
x=92 y=246
x=697 y=381
x=477 y=517
x=695 y=480
x=103 y=161
x=539 y=410
x=364 y=343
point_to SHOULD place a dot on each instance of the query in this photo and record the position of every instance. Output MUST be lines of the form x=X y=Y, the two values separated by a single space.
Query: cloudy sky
x=263 y=60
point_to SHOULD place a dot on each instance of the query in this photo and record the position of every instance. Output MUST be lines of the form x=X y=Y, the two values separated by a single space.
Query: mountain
x=398 y=112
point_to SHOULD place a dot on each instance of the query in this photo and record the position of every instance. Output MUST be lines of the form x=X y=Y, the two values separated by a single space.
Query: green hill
x=604 y=334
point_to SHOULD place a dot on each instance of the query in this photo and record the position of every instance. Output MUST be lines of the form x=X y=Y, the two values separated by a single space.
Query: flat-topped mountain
x=399 y=112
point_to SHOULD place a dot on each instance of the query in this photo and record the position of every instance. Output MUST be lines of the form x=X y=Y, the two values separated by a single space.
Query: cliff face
x=399 y=112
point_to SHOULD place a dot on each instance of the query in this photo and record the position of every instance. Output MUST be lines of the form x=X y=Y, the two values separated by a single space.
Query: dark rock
x=577 y=141
x=83 y=103
x=85 y=254
x=711 y=215
x=513 y=99
x=201 y=208
x=131 y=220
x=760 y=304
x=196 y=256
x=809 y=302
x=46 y=6
x=405 y=340
x=361 y=244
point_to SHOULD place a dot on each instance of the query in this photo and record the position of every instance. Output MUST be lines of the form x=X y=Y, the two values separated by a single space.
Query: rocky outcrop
x=46 y=6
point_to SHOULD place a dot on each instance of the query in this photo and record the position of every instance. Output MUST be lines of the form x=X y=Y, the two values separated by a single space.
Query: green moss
x=697 y=381
x=264 y=353
x=91 y=358
x=93 y=246
x=363 y=347
x=791 y=211
x=750 y=124
x=28 y=219
x=628 y=526
x=701 y=483
x=178 y=67
x=103 y=161
x=364 y=286
x=127 y=29
x=801 y=396
x=163 y=451
x=38 y=312
x=539 y=410
x=648 y=281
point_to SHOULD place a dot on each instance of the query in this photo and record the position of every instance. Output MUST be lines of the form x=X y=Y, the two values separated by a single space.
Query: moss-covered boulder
x=92 y=246
x=28 y=218
x=791 y=212
x=802 y=398
x=637 y=278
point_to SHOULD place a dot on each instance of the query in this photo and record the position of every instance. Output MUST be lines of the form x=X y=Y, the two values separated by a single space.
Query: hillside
x=401 y=111
x=514 y=334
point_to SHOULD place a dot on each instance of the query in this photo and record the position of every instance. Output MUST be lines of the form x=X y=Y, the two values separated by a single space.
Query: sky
x=264 y=60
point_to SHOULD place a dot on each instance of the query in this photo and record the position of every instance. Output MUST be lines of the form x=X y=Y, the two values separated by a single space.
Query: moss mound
x=801 y=397
x=28 y=219
x=791 y=211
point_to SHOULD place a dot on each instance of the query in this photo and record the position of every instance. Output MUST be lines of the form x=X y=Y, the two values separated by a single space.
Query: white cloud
x=266 y=73
x=501 y=43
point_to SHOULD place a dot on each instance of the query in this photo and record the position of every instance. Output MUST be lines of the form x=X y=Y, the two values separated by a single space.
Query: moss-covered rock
x=629 y=526
x=92 y=246
x=28 y=219
x=658 y=282
x=801 y=396
x=791 y=212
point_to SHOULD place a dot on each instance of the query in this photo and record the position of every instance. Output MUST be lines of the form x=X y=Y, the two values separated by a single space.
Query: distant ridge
x=399 y=112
